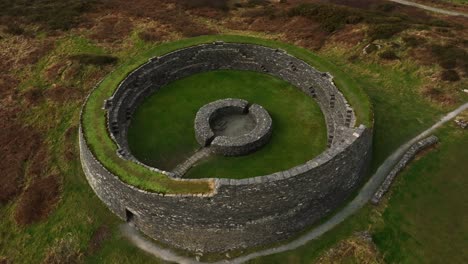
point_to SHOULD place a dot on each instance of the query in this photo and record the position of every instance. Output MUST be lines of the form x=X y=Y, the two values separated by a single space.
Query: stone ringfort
x=237 y=213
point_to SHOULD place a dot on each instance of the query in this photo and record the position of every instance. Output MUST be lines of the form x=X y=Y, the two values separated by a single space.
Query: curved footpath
x=358 y=202
x=430 y=8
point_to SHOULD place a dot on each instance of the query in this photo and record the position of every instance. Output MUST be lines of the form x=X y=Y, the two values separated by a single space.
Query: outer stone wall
x=239 y=213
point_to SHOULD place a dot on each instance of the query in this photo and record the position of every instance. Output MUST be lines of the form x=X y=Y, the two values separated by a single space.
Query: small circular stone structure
x=232 y=127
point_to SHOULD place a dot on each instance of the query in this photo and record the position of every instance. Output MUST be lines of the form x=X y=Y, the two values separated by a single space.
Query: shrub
x=14 y=29
x=93 y=59
x=268 y=11
x=195 y=30
x=353 y=58
x=37 y=200
x=384 y=31
x=371 y=48
x=65 y=250
x=330 y=17
x=53 y=14
x=385 y=7
x=448 y=52
x=448 y=64
x=449 y=56
x=412 y=41
x=252 y=3
x=33 y=96
x=450 y=75
x=217 y=4
x=151 y=36
x=388 y=55
x=439 y=23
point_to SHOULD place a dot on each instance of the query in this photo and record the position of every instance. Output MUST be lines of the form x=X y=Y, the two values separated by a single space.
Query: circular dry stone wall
x=237 y=213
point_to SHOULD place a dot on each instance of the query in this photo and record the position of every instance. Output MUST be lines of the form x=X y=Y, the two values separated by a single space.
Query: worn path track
x=357 y=203
x=430 y=8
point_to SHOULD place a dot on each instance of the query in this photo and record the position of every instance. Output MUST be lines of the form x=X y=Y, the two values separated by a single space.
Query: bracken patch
x=112 y=28
x=357 y=249
x=97 y=239
x=438 y=95
x=17 y=142
x=38 y=200
x=64 y=250
x=62 y=94
x=70 y=139
x=33 y=96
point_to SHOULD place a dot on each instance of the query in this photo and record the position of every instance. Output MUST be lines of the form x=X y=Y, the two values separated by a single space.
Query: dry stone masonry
x=232 y=145
x=244 y=213
x=409 y=155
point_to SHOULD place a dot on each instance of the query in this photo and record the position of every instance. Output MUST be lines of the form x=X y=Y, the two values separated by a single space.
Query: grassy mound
x=104 y=148
x=162 y=131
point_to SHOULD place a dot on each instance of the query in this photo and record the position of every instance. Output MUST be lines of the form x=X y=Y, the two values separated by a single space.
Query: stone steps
x=182 y=168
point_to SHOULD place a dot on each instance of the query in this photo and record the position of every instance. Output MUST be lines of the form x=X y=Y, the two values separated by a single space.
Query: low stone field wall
x=407 y=158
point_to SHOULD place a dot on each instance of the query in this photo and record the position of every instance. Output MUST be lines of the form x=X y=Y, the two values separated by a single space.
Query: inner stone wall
x=245 y=213
x=160 y=71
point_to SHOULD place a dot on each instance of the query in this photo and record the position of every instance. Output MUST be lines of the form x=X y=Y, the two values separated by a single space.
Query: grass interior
x=162 y=131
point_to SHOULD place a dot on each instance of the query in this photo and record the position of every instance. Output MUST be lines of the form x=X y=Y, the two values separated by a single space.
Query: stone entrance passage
x=130 y=217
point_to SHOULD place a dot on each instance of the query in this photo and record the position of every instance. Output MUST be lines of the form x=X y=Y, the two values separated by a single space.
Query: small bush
x=388 y=55
x=330 y=17
x=93 y=59
x=65 y=250
x=195 y=30
x=252 y=3
x=384 y=31
x=439 y=23
x=371 y=48
x=37 y=200
x=385 y=7
x=412 y=41
x=217 y=4
x=61 y=15
x=14 y=29
x=353 y=58
x=448 y=64
x=33 y=96
x=448 y=52
x=450 y=56
x=450 y=75
x=268 y=11
x=151 y=36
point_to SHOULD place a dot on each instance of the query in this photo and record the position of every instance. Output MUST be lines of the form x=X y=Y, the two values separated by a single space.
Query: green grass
x=162 y=132
x=401 y=113
x=426 y=219
x=104 y=148
x=400 y=110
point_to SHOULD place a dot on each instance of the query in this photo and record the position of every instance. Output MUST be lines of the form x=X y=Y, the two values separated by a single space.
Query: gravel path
x=357 y=203
x=430 y=8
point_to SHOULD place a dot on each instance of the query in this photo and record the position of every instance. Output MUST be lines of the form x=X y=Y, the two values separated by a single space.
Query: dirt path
x=430 y=8
x=357 y=203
